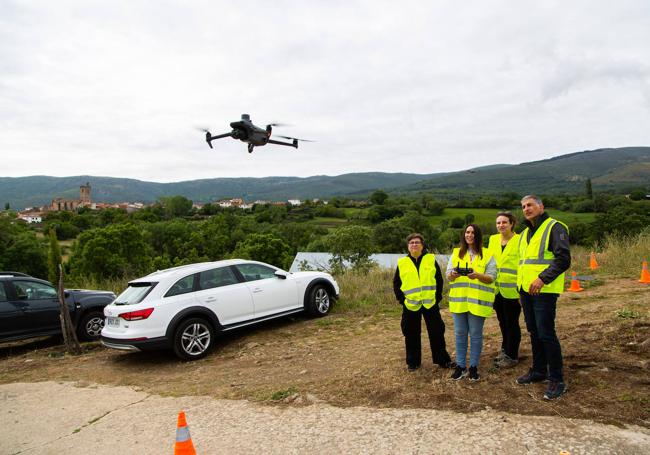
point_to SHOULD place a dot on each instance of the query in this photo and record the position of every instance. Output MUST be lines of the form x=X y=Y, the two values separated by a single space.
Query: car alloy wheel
x=90 y=326
x=322 y=300
x=193 y=339
x=319 y=301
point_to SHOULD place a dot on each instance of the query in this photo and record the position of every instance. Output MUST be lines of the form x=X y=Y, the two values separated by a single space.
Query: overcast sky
x=118 y=88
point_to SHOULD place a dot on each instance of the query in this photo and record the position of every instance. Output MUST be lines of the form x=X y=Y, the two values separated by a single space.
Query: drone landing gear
x=250 y=148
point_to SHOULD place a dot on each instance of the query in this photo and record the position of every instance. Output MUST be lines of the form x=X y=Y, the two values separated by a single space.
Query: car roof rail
x=14 y=274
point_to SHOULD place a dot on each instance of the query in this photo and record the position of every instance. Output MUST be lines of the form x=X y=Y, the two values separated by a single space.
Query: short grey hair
x=533 y=197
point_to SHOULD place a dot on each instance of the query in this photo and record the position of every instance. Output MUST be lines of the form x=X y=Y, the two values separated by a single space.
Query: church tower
x=84 y=193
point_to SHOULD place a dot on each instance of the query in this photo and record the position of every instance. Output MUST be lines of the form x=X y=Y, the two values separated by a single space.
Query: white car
x=183 y=308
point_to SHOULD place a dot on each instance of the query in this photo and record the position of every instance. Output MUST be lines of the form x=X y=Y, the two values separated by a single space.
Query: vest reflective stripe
x=482 y=287
x=535 y=257
x=507 y=264
x=466 y=294
x=422 y=288
x=470 y=300
x=419 y=288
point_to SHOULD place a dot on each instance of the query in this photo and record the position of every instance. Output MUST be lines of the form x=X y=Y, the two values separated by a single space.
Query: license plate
x=113 y=322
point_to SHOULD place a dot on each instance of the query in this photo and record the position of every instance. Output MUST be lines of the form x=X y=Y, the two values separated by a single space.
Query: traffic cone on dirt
x=645 y=276
x=575 y=284
x=184 y=444
x=593 y=265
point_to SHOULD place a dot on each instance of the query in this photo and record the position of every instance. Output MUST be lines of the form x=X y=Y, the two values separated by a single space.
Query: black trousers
x=508 y=311
x=412 y=330
x=539 y=313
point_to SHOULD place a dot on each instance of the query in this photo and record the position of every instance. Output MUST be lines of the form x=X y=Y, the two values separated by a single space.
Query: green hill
x=609 y=169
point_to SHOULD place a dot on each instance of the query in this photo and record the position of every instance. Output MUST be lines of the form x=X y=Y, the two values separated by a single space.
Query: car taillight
x=137 y=315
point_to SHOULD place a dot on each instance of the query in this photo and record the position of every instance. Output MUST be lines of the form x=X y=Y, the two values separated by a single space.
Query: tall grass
x=367 y=292
x=116 y=285
x=623 y=255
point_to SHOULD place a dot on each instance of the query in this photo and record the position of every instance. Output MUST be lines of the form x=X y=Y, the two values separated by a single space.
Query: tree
x=390 y=236
x=378 y=197
x=7 y=206
x=53 y=257
x=588 y=189
x=176 y=206
x=351 y=244
x=21 y=250
x=265 y=248
x=119 y=250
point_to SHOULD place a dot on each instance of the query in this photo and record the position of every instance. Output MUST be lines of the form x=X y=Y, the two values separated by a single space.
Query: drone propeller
x=294 y=138
x=278 y=124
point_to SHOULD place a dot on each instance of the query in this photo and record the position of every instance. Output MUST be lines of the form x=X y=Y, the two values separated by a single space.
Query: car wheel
x=319 y=302
x=90 y=326
x=193 y=339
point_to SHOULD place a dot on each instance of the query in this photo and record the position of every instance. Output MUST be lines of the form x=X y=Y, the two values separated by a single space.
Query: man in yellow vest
x=544 y=256
x=418 y=288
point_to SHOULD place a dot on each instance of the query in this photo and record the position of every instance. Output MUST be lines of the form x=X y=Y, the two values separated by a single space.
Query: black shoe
x=555 y=389
x=412 y=368
x=449 y=365
x=530 y=377
x=459 y=373
x=473 y=374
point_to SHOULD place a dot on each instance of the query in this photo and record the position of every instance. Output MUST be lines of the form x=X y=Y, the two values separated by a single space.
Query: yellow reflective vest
x=466 y=294
x=419 y=288
x=507 y=263
x=534 y=258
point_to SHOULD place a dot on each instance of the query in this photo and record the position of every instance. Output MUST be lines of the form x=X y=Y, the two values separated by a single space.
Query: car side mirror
x=281 y=274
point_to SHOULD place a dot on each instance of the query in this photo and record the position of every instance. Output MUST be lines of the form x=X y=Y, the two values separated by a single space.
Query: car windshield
x=135 y=293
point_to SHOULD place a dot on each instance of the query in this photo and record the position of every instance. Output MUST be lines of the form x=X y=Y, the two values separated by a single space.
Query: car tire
x=193 y=339
x=319 y=301
x=90 y=326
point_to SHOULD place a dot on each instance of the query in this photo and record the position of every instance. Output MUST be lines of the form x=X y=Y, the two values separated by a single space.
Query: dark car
x=29 y=307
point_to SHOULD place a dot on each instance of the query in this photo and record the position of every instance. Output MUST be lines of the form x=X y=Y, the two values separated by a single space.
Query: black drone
x=254 y=136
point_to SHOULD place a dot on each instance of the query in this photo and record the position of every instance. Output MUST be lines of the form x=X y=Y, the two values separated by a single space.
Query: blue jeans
x=539 y=312
x=464 y=324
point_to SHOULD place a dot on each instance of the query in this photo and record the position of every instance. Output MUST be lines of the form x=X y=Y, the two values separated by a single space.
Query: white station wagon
x=183 y=308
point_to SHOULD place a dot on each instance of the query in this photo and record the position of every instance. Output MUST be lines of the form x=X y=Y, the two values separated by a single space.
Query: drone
x=254 y=136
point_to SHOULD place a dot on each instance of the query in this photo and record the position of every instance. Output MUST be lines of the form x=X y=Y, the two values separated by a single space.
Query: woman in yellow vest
x=504 y=246
x=471 y=271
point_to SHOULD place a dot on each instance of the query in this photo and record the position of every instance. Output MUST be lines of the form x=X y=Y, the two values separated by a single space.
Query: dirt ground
x=349 y=360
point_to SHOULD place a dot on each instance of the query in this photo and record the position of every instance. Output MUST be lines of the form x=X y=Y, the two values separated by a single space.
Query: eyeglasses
x=415 y=243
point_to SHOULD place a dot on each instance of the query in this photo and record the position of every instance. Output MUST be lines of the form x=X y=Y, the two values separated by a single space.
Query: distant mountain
x=609 y=169
x=39 y=190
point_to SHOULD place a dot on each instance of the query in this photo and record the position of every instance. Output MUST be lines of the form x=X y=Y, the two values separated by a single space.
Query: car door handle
x=256 y=290
x=210 y=300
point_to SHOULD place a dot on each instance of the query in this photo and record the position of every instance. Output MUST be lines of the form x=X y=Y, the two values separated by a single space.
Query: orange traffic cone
x=575 y=284
x=645 y=276
x=593 y=265
x=184 y=444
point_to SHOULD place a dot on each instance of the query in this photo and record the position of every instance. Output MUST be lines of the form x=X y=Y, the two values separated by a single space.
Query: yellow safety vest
x=534 y=258
x=419 y=288
x=466 y=294
x=507 y=263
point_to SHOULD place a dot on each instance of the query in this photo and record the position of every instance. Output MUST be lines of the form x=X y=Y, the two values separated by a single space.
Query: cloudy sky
x=119 y=88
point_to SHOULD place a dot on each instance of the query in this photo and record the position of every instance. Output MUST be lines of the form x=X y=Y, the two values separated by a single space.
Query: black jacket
x=397 y=281
x=558 y=244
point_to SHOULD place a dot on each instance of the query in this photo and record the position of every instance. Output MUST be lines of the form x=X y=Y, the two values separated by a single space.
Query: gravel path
x=55 y=418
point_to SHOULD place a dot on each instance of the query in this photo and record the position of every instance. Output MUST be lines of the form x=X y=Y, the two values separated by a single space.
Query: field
x=355 y=357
